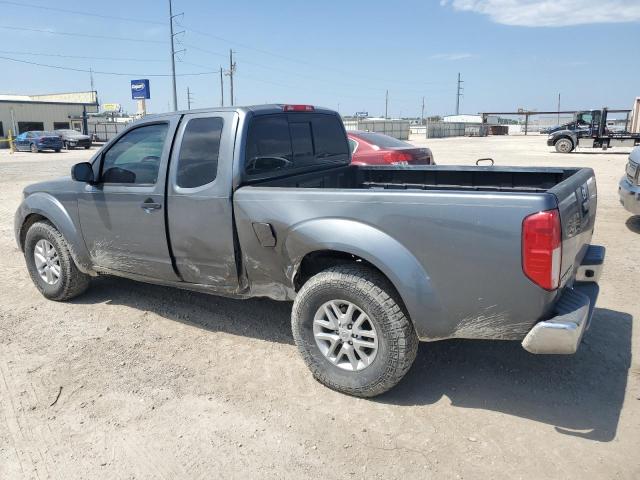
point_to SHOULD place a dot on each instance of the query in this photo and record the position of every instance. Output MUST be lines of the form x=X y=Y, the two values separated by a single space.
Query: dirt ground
x=162 y=383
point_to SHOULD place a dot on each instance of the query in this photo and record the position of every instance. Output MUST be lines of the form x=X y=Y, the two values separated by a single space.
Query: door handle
x=149 y=205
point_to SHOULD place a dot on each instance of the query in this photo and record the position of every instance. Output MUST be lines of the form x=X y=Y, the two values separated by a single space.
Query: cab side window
x=198 y=160
x=135 y=157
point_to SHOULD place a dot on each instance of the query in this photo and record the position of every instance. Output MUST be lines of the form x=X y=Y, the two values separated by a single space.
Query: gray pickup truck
x=629 y=186
x=263 y=201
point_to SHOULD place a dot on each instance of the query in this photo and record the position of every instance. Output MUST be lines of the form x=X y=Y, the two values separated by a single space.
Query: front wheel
x=34 y=148
x=50 y=264
x=564 y=145
x=352 y=332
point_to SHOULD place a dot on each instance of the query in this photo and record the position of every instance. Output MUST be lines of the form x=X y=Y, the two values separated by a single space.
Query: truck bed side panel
x=468 y=246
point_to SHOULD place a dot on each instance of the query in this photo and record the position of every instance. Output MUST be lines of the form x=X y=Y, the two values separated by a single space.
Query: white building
x=462 y=118
x=23 y=113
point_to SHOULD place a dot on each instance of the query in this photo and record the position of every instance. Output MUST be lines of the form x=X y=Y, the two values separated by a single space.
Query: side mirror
x=82 y=172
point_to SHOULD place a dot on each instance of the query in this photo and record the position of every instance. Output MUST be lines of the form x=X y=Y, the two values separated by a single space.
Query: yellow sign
x=111 y=107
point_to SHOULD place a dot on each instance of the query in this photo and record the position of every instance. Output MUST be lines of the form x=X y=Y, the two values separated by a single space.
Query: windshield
x=383 y=141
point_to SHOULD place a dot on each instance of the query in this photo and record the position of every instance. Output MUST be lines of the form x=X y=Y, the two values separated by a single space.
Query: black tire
x=374 y=295
x=564 y=145
x=34 y=148
x=72 y=282
x=87 y=147
x=57 y=150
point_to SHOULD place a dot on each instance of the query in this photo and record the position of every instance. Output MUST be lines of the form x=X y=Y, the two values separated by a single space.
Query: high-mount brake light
x=298 y=108
x=542 y=248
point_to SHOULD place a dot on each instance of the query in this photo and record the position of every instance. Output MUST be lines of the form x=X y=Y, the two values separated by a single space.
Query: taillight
x=298 y=108
x=397 y=157
x=542 y=248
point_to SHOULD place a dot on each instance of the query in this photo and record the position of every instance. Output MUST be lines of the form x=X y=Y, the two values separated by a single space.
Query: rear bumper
x=563 y=333
x=629 y=196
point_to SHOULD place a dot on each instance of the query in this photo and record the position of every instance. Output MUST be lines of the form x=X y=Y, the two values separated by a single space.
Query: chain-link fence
x=105 y=131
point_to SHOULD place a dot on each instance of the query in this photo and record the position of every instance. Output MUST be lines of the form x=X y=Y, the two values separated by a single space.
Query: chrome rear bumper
x=563 y=333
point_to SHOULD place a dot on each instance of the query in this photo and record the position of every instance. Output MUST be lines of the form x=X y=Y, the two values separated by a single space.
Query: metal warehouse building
x=23 y=113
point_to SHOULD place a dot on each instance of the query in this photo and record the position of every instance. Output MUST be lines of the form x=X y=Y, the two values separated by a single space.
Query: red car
x=370 y=148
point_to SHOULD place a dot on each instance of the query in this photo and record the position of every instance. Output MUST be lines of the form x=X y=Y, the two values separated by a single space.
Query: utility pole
x=231 y=72
x=188 y=99
x=459 y=94
x=386 y=104
x=422 y=113
x=221 y=89
x=558 y=109
x=93 y=89
x=173 y=58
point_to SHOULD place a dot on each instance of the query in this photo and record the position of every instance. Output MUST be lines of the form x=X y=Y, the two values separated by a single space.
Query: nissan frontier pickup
x=263 y=201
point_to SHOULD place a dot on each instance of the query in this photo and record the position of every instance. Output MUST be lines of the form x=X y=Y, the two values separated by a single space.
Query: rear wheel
x=50 y=264
x=352 y=332
x=564 y=145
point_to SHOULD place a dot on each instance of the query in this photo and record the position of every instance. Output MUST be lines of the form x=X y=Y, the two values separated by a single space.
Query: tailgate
x=577 y=202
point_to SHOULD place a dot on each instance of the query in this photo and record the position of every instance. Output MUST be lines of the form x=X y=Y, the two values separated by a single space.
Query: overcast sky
x=335 y=53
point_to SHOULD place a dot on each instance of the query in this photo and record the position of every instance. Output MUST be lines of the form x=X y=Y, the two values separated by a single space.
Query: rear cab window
x=292 y=142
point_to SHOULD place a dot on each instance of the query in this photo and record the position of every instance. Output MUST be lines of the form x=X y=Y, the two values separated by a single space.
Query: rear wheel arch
x=320 y=260
x=334 y=241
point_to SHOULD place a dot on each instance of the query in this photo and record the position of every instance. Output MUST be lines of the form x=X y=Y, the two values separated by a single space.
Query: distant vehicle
x=370 y=148
x=73 y=138
x=629 y=187
x=263 y=201
x=37 y=141
x=591 y=131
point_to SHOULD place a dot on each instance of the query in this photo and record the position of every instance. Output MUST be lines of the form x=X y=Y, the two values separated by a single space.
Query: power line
x=83 y=57
x=287 y=72
x=87 y=35
x=75 y=12
x=59 y=67
x=296 y=60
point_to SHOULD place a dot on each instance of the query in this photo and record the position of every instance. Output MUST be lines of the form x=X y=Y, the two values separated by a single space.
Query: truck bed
x=462 y=225
x=436 y=177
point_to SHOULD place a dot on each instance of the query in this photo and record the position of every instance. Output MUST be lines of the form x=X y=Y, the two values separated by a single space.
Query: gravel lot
x=162 y=383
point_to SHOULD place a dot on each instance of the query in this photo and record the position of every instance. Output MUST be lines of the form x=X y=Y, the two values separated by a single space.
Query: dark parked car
x=370 y=148
x=37 y=141
x=73 y=138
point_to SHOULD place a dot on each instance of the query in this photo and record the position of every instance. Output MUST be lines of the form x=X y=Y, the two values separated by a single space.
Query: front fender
x=565 y=133
x=381 y=250
x=49 y=207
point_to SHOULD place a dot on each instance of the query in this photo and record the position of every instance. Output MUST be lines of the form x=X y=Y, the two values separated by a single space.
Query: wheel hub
x=345 y=335
x=47 y=261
